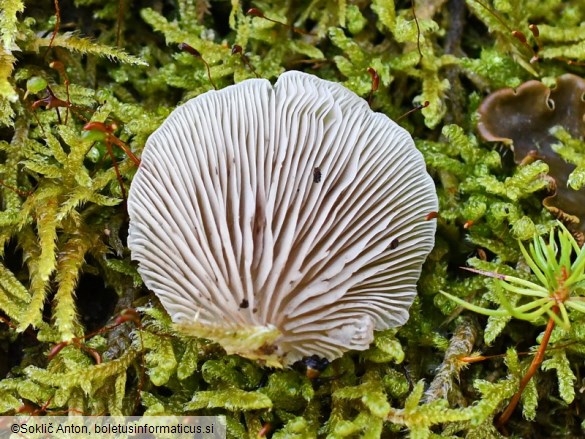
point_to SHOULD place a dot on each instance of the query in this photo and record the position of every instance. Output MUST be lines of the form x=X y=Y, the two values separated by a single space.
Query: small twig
x=255 y=12
x=447 y=374
x=17 y=192
x=478 y=358
x=8 y=323
x=238 y=49
x=416 y=108
x=536 y=362
x=58 y=65
x=375 y=84
x=57 y=26
x=495 y=14
x=195 y=53
x=485 y=273
x=417 y=30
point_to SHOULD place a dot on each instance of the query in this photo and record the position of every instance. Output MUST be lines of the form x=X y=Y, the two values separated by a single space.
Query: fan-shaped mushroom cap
x=242 y=244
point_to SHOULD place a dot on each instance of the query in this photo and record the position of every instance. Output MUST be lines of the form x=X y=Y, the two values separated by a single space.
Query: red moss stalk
x=534 y=366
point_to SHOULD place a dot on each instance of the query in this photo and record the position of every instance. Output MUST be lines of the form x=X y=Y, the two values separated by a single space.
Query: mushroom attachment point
x=240 y=245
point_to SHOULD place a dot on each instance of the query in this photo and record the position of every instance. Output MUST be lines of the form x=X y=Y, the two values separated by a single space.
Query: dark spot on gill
x=316 y=175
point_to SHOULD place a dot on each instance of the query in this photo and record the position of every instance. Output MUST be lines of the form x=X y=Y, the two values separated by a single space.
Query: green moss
x=63 y=221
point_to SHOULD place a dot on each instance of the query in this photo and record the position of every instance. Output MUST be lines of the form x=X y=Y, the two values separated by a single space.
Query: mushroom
x=525 y=117
x=241 y=244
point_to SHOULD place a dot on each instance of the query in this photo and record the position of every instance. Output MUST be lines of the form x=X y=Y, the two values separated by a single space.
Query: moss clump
x=63 y=221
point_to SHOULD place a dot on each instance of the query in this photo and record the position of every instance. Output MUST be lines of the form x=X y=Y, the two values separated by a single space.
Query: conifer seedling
x=559 y=266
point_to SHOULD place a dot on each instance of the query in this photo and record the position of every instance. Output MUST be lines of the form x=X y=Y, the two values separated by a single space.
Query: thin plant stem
x=116 y=169
x=57 y=26
x=536 y=362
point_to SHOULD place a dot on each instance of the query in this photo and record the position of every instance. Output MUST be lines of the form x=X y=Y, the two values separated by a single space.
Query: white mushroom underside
x=231 y=228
